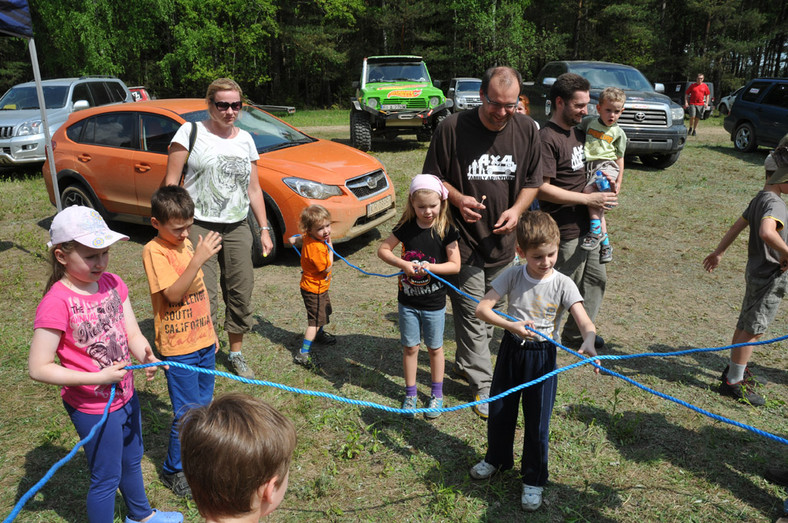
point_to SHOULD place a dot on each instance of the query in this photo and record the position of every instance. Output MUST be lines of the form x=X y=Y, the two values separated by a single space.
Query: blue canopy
x=15 y=18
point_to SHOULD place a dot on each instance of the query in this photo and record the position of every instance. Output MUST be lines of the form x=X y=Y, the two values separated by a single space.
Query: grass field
x=618 y=453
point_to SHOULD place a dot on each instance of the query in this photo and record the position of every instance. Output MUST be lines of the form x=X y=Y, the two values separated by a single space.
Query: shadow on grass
x=757 y=157
x=718 y=454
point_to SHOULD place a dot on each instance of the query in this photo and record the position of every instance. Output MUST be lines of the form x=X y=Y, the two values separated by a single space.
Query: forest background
x=308 y=52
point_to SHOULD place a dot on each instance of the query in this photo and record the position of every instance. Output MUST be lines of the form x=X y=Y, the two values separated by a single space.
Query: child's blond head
x=536 y=228
x=613 y=95
x=313 y=216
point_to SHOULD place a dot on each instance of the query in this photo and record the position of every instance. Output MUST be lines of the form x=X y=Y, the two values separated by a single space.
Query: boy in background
x=182 y=313
x=604 y=150
x=765 y=276
x=236 y=456
x=317 y=260
x=535 y=293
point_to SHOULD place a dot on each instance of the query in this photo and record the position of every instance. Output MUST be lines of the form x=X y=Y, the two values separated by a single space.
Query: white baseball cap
x=84 y=225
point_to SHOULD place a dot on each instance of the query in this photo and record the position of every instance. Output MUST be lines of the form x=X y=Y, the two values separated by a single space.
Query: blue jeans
x=188 y=389
x=114 y=458
x=414 y=322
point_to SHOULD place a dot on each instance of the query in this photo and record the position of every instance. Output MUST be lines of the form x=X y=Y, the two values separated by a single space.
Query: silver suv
x=465 y=93
x=21 y=133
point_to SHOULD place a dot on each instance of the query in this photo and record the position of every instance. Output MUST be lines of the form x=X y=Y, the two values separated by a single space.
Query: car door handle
x=142 y=167
x=85 y=158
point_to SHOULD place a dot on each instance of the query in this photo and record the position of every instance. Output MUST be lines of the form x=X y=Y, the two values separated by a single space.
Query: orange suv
x=113 y=158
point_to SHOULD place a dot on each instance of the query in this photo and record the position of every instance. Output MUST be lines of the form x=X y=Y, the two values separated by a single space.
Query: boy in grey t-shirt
x=766 y=279
x=536 y=293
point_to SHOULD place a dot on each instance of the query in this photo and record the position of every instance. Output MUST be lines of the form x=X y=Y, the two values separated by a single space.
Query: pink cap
x=429 y=182
x=84 y=225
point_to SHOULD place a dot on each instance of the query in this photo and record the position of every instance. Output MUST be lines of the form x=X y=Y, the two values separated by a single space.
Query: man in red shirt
x=696 y=99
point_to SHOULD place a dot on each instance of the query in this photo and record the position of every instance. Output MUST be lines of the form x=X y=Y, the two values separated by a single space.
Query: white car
x=724 y=107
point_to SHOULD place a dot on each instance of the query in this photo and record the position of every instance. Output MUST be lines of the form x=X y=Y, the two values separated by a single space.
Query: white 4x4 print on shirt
x=490 y=167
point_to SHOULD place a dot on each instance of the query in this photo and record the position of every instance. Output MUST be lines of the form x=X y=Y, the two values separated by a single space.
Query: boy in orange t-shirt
x=182 y=313
x=317 y=259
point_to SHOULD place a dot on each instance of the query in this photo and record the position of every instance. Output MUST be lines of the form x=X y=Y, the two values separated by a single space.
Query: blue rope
x=51 y=472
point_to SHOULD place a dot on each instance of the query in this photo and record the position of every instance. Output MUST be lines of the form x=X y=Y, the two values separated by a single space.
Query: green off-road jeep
x=395 y=96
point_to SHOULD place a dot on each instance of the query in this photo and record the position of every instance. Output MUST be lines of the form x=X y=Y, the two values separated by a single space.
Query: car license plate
x=378 y=206
x=393 y=107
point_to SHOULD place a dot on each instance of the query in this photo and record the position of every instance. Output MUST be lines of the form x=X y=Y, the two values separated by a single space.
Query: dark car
x=759 y=115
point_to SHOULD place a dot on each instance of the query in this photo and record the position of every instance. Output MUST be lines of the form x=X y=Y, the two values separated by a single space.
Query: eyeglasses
x=497 y=105
x=223 y=106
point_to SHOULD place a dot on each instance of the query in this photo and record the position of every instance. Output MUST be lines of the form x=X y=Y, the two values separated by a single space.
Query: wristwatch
x=265 y=228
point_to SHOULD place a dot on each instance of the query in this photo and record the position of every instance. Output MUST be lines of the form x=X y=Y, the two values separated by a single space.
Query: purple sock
x=410 y=391
x=437 y=389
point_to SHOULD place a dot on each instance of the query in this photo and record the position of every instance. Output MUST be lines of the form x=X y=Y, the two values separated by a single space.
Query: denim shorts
x=414 y=322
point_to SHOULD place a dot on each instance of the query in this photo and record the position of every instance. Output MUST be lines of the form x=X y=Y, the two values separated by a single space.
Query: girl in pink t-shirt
x=86 y=320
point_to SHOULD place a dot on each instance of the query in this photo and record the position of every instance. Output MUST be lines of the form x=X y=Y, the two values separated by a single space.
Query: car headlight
x=677 y=114
x=434 y=101
x=372 y=102
x=312 y=190
x=29 y=127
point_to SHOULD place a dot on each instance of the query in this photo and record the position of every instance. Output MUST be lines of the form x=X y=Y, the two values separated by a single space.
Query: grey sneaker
x=606 y=254
x=435 y=403
x=592 y=240
x=177 y=484
x=241 y=367
x=483 y=470
x=483 y=409
x=531 y=498
x=303 y=358
x=743 y=390
x=409 y=404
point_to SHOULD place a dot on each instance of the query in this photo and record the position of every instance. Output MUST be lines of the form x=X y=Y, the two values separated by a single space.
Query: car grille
x=410 y=103
x=644 y=117
x=6 y=132
x=368 y=185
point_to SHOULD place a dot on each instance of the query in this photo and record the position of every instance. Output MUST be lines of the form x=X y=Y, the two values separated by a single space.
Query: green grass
x=318 y=118
x=618 y=453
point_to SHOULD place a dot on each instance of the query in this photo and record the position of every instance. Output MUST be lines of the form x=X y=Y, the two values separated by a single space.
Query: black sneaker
x=325 y=338
x=748 y=376
x=743 y=390
x=177 y=484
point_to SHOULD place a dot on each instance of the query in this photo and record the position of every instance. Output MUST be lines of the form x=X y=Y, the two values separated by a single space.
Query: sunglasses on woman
x=223 y=106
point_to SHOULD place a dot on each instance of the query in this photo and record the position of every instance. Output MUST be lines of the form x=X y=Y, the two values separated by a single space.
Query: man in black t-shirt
x=564 y=174
x=488 y=158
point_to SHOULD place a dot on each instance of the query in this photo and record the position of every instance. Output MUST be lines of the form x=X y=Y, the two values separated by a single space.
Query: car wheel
x=76 y=195
x=360 y=131
x=659 y=161
x=258 y=260
x=744 y=138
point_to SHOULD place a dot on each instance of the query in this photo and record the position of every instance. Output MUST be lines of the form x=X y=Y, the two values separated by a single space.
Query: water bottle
x=601 y=181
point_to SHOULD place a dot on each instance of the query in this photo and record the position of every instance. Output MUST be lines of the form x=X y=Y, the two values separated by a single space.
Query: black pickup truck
x=654 y=124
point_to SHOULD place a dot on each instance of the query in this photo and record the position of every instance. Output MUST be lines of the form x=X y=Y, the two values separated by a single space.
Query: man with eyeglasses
x=696 y=101
x=488 y=159
x=564 y=174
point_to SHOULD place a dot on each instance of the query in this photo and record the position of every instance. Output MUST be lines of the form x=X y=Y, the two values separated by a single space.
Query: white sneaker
x=531 y=498
x=483 y=470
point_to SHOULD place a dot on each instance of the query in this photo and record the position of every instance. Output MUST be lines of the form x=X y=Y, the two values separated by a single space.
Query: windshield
x=18 y=98
x=469 y=85
x=622 y=77
x=397 y=72
x=267 y=132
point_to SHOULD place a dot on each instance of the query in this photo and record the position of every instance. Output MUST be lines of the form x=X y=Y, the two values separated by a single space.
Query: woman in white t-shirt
x=221 y=177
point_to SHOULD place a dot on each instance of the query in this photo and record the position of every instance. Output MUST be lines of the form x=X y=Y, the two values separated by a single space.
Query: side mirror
x=81 y=104
x=660 y=88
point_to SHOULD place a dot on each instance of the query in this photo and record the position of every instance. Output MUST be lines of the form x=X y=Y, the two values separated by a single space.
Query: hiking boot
x=483 y=470
x=435 y=403
x=240 y=367
x=606 y=254
x=177 y=484
x=303 y=358
x=461 y=373
x=743 y=390
x=483 y=409
x=748 y=375
x=409 y=404
x=592 y=240
x=325 y=338
x=531 y=498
